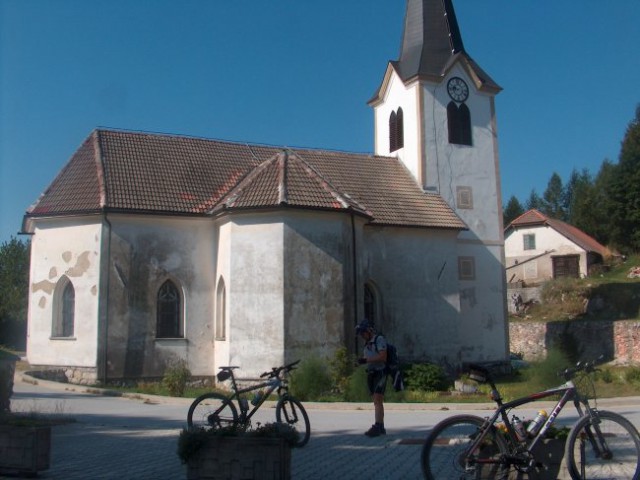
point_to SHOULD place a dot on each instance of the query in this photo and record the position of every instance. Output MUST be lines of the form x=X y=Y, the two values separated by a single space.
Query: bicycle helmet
x=363 y=326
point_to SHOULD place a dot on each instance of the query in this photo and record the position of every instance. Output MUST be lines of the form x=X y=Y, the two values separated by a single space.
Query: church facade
x=148 y=248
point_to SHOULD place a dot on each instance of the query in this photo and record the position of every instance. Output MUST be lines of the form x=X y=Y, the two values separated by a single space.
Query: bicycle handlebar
x=569 y=373
x=275 y=371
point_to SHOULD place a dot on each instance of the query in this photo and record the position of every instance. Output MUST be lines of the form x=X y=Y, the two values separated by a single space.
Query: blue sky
x=299 y=73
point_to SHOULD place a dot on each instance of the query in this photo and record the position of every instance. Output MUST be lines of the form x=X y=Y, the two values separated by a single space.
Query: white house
x=148 y=248
x=539 y=248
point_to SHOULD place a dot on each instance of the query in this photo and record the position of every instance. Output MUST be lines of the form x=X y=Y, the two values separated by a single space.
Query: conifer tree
x=624 y=191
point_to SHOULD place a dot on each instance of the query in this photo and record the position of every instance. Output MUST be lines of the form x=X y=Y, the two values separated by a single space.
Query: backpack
x=392 y=365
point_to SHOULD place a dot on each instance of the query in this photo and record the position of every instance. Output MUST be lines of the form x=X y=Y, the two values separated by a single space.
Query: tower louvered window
x=459 y=123
x=396 y=130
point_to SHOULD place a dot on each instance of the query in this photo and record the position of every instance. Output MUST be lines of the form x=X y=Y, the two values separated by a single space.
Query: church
x=147 y=249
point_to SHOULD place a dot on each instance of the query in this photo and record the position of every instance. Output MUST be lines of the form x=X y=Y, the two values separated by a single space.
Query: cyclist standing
x=375 y=356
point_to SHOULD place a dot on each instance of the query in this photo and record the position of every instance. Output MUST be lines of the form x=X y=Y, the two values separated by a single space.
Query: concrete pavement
x=136 y=437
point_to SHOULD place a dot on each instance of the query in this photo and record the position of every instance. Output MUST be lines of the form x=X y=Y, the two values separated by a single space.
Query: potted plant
x=236 y=452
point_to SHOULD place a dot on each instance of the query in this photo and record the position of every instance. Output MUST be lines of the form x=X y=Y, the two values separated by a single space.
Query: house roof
x=432 y=44
x=122 y=171
x=534 y=218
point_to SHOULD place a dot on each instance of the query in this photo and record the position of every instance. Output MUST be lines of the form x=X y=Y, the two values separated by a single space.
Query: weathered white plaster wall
x=484 y=335
x=415 y=272
x=255 y=292
x=449 y=166
x=398 y=95
x=317 y=271
x=60 y=248
x=145 y=252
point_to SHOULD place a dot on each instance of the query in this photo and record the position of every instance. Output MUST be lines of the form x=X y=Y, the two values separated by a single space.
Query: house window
x=64 y=305
x=466 y=268
x=169 y=321
x=529 y=241
x=221 y=304
x=396 y=130
x=464 y=197
x=459 y=123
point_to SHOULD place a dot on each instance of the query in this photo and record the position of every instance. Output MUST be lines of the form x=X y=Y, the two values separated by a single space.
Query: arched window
x=400 y=129
x=371 y=307
x=459 y=122
x=396 y=130
x=393 y=130
x=169 y=320
x=64 y=309
x=221 y=306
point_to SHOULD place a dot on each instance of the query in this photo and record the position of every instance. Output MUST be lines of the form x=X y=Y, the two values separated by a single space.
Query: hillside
x=608 y=294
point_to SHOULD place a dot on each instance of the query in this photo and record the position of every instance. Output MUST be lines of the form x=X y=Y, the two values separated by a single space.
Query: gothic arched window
x=169 y=320
x=64 y=309
x=459 y=122
x=221 y=320
x=371 y=304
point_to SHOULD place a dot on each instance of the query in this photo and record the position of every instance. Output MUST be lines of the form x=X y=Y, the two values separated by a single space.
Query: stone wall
x=619 y=340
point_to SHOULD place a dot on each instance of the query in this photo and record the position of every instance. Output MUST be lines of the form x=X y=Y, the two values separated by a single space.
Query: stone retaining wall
x=619 y=340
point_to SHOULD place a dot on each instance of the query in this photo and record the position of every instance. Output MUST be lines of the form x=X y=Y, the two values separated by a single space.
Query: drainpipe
x=102 y=374
x=355 y=278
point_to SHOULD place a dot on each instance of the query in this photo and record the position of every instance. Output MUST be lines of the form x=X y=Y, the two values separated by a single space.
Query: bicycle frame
x=271 y=385
x=568 y=391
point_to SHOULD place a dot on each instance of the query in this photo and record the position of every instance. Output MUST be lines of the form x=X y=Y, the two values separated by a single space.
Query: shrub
x=356 y=388
x=341 y=366
x=311 y=380
x=632 y=375
x=426 y=377
x=544 y=374
x=605 y=375
x=176 y=377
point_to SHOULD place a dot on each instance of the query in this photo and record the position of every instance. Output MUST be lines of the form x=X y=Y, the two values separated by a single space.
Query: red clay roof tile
x=141 y=172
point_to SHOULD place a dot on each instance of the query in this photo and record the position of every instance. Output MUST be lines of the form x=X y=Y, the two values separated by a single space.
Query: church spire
x=431 y=43
x=431 y=38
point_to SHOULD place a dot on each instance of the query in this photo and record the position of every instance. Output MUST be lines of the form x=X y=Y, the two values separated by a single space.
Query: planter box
x=24 y=450
x=241 y=458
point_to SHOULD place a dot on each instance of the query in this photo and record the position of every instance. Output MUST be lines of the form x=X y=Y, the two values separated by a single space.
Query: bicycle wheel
x=290 y=411
x=609 y=448
x=212 y=410
x=446 y=452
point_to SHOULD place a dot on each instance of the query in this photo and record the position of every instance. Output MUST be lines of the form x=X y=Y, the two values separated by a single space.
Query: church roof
x=535 y=218
x=432 y=43
x=121 y=171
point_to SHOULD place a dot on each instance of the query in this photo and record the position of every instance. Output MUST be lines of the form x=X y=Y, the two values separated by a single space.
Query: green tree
x=624 y=191
x=14 y=290
x=600 y=204
x=553 y=198
x=579 y=200
x=534 y=201
x=512 y=211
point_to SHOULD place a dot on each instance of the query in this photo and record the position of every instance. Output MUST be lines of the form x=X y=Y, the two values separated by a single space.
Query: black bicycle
x=600 y=445
x=215 y=410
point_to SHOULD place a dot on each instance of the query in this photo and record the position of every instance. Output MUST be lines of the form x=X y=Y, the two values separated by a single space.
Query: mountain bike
x=214 y=410
x=600 y=444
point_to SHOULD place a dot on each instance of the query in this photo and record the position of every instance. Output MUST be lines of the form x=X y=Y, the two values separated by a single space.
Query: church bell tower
x=435 y=111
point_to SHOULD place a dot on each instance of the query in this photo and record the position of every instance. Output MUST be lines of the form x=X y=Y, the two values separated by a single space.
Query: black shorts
x=377 y=381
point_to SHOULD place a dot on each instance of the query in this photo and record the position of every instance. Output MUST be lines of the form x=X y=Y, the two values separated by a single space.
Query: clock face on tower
x=458 y=89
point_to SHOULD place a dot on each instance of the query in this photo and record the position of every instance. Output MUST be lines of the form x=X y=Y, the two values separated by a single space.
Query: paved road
x=136 y=438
